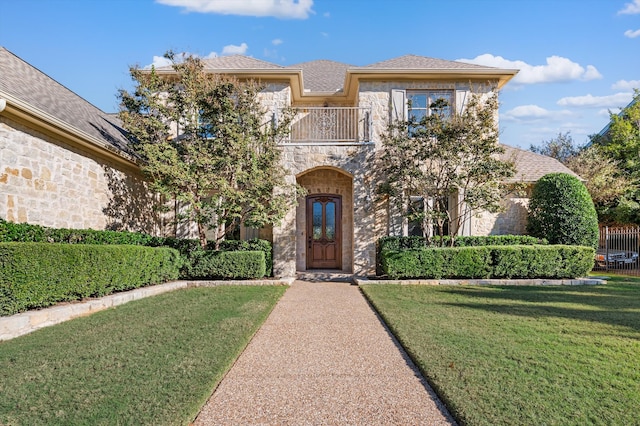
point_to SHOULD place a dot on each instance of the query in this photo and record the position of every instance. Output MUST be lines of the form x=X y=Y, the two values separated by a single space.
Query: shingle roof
x=33 y=87
x=323 y=75
x=422 y=62
x=238 y=62
x=531 y=166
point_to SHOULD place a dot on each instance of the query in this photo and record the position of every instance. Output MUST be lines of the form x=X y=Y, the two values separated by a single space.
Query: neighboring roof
x=605 y=129
x=323 y=75
x=531 y=166
x=39 y=98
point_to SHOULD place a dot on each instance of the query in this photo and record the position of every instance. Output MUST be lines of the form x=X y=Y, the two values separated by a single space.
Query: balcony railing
x=331 y=125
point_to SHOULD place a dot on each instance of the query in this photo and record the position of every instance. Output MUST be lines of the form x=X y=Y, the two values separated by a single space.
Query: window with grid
x=423 y=103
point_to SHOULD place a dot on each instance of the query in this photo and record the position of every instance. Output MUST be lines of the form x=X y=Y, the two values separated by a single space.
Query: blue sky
x=578 y=58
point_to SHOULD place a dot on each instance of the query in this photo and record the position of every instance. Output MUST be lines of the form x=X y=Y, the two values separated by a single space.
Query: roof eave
x=23 y=112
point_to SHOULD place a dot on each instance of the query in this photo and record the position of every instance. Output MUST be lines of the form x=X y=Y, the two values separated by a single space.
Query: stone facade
x=47 y=182
x=511 y=221
x=326 y=169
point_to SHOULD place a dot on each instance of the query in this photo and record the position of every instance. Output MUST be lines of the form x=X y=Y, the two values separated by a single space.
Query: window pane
x=417 y=100
x=317 y=220
x=330 y=221
x=417 y=114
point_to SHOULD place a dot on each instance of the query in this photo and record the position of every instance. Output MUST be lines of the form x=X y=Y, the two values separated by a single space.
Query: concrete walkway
x=323 y=358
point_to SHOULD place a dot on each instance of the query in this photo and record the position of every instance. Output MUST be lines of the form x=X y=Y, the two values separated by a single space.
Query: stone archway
x=326 y=181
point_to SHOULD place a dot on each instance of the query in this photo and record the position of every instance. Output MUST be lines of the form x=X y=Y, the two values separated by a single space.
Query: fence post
x=606 y=247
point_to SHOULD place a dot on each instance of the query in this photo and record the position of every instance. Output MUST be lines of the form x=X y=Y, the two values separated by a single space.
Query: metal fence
x=618 y=250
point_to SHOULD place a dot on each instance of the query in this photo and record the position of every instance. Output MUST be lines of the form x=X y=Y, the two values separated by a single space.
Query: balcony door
x=324 y=232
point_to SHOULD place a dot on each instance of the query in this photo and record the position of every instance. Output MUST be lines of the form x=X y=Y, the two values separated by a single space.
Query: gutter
x=21 y=111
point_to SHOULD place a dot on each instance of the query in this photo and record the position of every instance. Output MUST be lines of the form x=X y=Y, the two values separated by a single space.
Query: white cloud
x=158 y=61
x=630 y=8
x=161 y=61
x=626 y=85
x=232 y=49
x=632 y=34
x=285 y=9
x=276 y=42
x=532 y=113
x=557 y=69
x=590 y=101
x=325 y=35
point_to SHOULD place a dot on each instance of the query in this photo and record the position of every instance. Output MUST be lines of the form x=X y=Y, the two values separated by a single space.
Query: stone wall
x=511 y=221
x=47 y=182
x=336 y=164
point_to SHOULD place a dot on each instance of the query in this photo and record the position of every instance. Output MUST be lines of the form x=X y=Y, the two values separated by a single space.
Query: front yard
x=152 y=361
x=523 y=355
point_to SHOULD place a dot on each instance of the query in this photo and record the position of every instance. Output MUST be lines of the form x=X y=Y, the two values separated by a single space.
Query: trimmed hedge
x=36 y=275
x=252 y=245
x=532 y=261
x=210 y=264
x=404 y=243
x=561 y=210
x=24 y=232
x=188 y=248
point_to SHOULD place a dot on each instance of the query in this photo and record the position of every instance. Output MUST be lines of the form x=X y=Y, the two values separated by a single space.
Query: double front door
x=324 y=233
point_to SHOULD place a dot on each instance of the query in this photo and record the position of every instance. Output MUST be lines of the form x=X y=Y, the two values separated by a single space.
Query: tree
x=205 y=141
x=561 y=210
x=604 y=180
x=445 y=156
x=622 y=140
x=620 y=144
x=562 y=147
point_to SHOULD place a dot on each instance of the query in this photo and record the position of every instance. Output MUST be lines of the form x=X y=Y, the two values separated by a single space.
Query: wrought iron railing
x=333 y=125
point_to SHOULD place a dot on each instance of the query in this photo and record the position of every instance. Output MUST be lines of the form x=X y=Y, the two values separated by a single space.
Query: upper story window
x=423 y=103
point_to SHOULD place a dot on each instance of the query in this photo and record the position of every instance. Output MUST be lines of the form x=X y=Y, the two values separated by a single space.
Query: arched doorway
x=324 y=220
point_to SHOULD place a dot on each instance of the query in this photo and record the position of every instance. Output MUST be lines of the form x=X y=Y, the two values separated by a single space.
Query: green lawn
x=152 y=361
x=523 y=355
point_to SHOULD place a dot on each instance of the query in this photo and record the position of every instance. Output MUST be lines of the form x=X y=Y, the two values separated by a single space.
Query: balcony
x=330 y=126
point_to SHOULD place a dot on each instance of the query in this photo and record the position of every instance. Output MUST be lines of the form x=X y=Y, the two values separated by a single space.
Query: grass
x=523 y=355
x=153 y=361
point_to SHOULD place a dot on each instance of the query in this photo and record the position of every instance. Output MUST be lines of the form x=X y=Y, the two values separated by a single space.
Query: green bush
x=24 y=232
x=189 y=248
x=561 y=210
x=524 y=261
x=212 y=264
x=252 y=245
x=36 y=275
x=413 y=242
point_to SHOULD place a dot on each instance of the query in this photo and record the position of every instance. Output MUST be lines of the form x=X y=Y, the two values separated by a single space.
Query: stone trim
x=479 y=282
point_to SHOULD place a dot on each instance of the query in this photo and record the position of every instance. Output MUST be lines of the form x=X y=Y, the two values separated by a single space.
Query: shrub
x=413 y=242
x=523 y=261
x=210 y=264
x=23 y=232
x=36 y=275
x=561 y=211
x=251 y=245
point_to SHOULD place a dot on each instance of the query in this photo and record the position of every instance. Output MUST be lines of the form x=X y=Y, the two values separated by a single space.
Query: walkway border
x=505 y=282
x=26 y=322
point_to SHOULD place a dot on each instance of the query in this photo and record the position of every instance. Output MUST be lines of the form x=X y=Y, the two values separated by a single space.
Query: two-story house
x=64 y=162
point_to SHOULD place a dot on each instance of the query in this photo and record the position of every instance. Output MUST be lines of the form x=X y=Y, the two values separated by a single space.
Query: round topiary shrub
x=561 y=210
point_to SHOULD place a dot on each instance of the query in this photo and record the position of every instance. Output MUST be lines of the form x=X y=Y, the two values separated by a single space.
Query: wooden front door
x=324 y=232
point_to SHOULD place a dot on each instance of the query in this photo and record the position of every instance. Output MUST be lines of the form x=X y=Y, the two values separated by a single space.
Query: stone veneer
x=339 y=170
x=44 y=181
x=513 y=220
